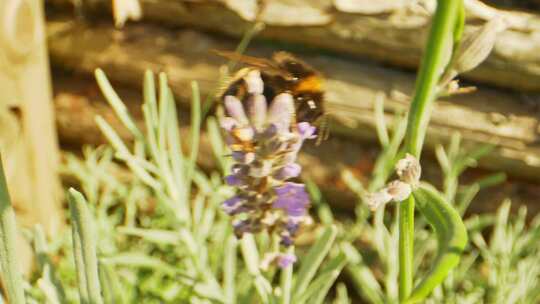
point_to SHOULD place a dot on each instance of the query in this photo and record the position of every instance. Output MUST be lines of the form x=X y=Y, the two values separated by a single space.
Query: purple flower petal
x=306 y=130
x=289 y=171
x=235 y=109
x=292 y=198
x=281 y=111
x=284 y=260
x=233 y=180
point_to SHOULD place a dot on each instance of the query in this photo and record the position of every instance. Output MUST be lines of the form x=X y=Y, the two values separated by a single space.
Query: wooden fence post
x=27 y=132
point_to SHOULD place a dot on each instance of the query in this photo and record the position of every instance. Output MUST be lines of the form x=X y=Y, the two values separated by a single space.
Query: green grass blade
x=84 y=249
x=9 y=264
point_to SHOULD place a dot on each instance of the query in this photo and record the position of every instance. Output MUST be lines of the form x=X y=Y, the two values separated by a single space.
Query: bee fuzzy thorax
x=284 y=73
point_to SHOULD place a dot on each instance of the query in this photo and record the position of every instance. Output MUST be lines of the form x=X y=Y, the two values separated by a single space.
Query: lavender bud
x=256 y=108
x=254 y=82
x=244 y=134
x=281 y=111
x=288 y=171
x=235 y=109
x=227 y=123
x=233 y=180
x=285 y=259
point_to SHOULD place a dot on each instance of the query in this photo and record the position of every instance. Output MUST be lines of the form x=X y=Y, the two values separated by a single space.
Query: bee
x=283 y=73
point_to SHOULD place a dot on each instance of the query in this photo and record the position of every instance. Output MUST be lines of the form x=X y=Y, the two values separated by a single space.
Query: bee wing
x=264 y=64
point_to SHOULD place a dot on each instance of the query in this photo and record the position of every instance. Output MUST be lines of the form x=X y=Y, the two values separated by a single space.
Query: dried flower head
x=377 y=199
x=265 y=141
x=475 y=48
x=409 y=171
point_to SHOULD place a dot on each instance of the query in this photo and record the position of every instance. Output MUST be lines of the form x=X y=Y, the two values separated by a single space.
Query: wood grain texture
x=393 y=32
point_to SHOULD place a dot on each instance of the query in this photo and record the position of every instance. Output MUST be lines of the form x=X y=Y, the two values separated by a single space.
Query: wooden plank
x=487 y=116
x=394 y=33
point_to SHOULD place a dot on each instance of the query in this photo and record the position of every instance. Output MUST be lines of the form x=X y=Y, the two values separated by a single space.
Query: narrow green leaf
x=46 y=265
x=451 y=237
x=113 y=292
x=251 y=259
x=313 y=259
x=116 y=103
x=9 y=264
x=195 y=132
x=229 y=269
x=84 y=249
x=152 y=235
x=318 y=289
x=365 y=283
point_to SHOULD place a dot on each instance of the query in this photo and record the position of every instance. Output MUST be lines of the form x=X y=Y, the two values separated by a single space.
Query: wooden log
x=486 y=117
x=393 y=32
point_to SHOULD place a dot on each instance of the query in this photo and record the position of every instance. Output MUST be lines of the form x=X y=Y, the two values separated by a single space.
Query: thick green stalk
x=436 y=55
x=9 y=264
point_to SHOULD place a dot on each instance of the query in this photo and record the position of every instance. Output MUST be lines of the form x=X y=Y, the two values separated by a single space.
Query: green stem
x=9 y=264
x=286 y=281
x=432 y=66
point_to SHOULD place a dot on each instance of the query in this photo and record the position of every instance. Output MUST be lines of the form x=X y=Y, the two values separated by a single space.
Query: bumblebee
x=283 y=73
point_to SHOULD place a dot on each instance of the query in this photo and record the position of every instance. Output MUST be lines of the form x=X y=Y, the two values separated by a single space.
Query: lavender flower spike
x=265 y=141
